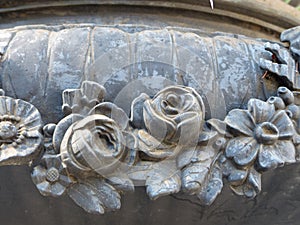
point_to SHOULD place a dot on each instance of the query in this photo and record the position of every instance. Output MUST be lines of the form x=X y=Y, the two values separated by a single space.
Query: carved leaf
x=219 y=126
x=152 y=147
x=252 y=185
x=163 y=180
x=83 y=99
x=122 y=183
x=212 y=187
x=136 y=116
x=139 y=172
x=283 y=65
x=95 y=196
x=204 y=150
x=195 y=174
x=292 y=36
x=86 y=198
x=92 y=93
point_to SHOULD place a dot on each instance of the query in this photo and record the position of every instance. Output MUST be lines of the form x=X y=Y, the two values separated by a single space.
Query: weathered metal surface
x=149 y=75
x=216 y=65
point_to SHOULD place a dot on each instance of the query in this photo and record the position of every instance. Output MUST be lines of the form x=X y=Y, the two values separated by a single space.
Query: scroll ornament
x=97 y=152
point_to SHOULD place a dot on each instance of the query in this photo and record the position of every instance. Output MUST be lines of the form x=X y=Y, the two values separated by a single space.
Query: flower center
x=266 y=133
x=52 y=175
x=7 y=130
x=171 y=104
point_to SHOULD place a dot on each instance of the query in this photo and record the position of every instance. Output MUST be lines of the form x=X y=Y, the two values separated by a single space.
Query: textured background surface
x=278 y=204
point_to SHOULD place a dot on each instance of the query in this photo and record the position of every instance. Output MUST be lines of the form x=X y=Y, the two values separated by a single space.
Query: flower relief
x=97 y=151
x=50 y=177
x=20 y=137
x=173 y=118
x=166 y=145
x=262 y=140
x=168 y=128
x=92 y=148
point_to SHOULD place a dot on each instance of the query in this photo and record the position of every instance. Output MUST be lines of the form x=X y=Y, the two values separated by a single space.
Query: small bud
x=278 y=102
x=286 y=95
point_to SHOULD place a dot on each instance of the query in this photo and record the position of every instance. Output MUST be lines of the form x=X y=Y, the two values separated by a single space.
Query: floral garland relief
x=97 y=152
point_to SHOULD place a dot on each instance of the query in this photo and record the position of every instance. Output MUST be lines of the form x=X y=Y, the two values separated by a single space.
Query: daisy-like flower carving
x=50 y=177
x=263 y=135
x=20 y=137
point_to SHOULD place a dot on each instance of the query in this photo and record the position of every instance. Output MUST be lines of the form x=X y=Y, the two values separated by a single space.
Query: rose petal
x=283 y=124
x=112 y=111
x=61 y=129
x=184 y=91
x=88 y=152
x=188 y=129
x=131 y=141
x=241 y=121
x=190 y=103
x=136 y=112
x=243 y=150
x=269 y=157
x=160 y=127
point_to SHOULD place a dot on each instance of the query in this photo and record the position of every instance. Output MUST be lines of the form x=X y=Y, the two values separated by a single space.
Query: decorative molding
x=96 y=152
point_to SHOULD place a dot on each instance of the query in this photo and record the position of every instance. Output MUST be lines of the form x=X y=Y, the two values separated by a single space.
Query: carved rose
x=170 y=110
x=261 y=132
x=97 y=143
x=172 y=118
